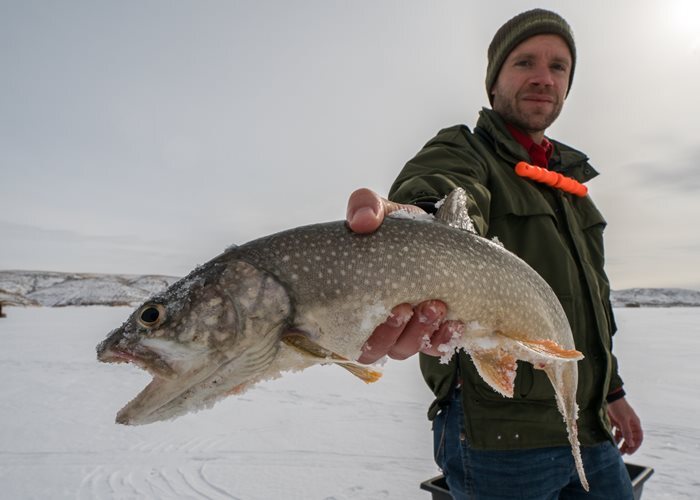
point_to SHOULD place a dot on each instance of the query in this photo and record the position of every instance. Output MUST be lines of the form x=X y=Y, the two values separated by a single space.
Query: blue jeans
x=534 y=474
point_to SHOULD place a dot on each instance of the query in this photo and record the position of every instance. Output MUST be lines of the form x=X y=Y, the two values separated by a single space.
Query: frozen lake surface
x=320 y=434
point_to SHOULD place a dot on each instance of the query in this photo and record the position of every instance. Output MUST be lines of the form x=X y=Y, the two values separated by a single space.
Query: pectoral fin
x=308 y=347
x=497 y=368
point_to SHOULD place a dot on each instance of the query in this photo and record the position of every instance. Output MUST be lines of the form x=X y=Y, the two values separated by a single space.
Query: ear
x=492 y=94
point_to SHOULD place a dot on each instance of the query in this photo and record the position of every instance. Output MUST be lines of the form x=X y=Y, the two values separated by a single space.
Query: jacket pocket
x=524 y=201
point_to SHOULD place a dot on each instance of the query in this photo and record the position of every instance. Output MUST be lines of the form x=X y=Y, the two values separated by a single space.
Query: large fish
x=314 y=294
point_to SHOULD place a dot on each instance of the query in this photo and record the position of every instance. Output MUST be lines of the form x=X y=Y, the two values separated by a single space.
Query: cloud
x=32 y=247
x=677 y=171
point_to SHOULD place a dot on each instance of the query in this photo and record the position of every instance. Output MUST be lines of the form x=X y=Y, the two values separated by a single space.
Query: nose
x=542 y=77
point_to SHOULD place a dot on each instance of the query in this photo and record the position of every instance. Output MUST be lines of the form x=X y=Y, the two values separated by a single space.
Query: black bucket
x=638 y=474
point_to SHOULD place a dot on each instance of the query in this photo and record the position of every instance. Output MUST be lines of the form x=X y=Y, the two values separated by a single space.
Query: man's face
x=531 y=86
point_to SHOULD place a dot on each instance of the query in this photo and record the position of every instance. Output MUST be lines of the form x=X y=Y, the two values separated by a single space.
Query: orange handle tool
x=550 y=178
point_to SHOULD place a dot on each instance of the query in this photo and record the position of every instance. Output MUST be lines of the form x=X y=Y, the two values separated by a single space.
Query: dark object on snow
x=2 y=314
x=638 y=474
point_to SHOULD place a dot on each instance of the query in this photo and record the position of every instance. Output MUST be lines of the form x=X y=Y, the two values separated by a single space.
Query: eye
x=151 y=315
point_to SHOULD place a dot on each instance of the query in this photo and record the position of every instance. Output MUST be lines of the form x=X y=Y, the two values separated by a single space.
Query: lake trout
x=314 y=294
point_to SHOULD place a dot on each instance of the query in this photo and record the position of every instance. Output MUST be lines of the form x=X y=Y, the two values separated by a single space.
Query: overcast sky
x=146 y=136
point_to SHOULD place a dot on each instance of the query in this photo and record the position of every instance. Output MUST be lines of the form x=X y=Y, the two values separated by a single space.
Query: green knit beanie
x=520 y=28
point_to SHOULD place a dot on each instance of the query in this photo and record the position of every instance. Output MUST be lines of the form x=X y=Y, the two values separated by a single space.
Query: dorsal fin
x=452 y=210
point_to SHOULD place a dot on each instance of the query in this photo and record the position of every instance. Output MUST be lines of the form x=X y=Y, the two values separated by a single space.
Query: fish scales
x=341 y=282
x=314 y=294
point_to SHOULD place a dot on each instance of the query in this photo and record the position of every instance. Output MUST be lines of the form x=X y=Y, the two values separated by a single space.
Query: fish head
x=207 y=334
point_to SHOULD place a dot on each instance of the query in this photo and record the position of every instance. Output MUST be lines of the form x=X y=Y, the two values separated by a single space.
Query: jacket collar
x=567 y=160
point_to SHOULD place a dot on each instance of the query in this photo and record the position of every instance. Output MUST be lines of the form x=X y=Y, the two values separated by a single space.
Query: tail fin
x=563 y=377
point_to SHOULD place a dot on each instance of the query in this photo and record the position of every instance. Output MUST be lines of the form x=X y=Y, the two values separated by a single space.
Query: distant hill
x=656 y=297
x=53 y=289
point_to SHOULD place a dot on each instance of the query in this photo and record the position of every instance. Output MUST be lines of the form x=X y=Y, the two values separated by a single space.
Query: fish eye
x=151 y=315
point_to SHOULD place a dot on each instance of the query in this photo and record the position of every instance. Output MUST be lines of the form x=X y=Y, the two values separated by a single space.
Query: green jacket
x=561 y=236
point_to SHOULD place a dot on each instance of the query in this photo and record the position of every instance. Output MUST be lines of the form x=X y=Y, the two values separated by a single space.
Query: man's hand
x=408 y=329
x=626 y=425
x=366 y=210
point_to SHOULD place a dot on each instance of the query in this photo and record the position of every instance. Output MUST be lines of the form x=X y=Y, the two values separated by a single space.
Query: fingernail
x=362 y=213
x=399 y=319
x=430 y=314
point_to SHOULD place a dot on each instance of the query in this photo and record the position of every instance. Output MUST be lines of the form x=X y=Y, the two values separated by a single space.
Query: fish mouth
x=195 y=384
x=147 y=360
x=185 y=379
x=152 y=403
x=166 y=396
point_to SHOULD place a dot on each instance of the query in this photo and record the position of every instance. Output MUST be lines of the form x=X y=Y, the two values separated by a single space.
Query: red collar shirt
x=539 y=153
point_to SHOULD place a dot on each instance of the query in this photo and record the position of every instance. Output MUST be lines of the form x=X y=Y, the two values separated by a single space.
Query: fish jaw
x=195 y=378
x=174 y=372
x=162 y=399
x=208 y=381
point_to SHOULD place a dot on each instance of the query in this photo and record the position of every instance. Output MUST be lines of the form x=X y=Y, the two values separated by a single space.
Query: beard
x=533 y=120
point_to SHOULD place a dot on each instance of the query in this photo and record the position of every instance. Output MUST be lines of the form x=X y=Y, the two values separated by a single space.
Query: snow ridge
x=55 y=289
x=655 y=297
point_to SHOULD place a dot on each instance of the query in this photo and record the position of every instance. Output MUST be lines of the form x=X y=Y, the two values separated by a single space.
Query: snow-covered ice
x=320 y=434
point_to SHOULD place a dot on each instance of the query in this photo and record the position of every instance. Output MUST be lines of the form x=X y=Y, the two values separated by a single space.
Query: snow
x=319 y=434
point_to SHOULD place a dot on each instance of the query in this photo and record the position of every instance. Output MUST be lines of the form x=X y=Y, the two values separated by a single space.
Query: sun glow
x=684 y=16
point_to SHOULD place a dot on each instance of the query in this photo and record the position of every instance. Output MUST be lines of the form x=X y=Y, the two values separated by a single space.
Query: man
x=489 y=446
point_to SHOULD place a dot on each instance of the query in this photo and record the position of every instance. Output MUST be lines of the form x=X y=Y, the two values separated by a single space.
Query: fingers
x=446 y=335
x=366 y=210
x=419 y=330
x=627 y=426
x=386 y=334
x=410 y=330
x=632 y=436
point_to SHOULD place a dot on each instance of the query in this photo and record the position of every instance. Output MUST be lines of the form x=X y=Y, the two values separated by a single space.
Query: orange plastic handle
x=551 y=178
